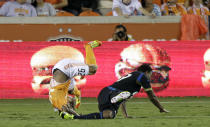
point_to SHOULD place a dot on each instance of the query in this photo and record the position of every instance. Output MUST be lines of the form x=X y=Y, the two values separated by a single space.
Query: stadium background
x=87 y=28
x=21 y=106
x=23 y=36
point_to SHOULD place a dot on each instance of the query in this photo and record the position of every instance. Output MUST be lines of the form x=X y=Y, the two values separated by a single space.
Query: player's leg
x=106 y=114
x=70 y=106
x=104 y=105
x=90 y=56
x=107 y=110
x=66 y=115
x=58 y=96
x=109 y=114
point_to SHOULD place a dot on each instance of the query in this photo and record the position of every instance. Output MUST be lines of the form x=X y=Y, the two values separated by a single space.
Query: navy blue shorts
x=104 y=99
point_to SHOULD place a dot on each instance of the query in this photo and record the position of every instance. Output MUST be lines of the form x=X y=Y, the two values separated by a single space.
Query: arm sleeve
x=144 y=82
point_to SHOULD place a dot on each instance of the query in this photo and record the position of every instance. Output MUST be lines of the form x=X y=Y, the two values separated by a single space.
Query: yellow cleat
x=95 y=43
x=65 y=115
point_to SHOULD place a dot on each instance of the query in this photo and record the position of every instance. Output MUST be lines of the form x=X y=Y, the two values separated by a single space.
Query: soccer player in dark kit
x=112 y=97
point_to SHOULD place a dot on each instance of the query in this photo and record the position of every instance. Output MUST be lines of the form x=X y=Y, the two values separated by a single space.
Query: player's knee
x=108 y=114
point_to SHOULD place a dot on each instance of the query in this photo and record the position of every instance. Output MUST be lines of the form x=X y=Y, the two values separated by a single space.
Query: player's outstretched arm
x=123 y=108
x=153 y=98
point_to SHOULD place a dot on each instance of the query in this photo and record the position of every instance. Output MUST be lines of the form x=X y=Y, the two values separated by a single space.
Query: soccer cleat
x=95 y=43
x=65 y=115
x=121 y=96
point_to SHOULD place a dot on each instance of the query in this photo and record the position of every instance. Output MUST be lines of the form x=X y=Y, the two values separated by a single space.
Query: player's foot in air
x=121 y=96
x=95 y=43
x=65 y=115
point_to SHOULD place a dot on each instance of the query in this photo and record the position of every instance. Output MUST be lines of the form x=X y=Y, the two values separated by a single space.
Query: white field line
x=164 y=102
x=185 y=116
x=171 y=116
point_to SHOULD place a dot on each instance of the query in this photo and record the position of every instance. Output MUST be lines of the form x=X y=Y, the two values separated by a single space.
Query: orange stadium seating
x=89 y=13
x=109 y=14
x=64 y=13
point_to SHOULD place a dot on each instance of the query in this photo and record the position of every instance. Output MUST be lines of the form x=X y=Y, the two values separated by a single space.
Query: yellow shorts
x=58 y=95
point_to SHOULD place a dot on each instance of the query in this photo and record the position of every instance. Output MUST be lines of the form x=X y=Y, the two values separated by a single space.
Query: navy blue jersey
x=132 y=82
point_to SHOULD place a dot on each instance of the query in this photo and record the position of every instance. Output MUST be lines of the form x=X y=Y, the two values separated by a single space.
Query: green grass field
x=184 y=112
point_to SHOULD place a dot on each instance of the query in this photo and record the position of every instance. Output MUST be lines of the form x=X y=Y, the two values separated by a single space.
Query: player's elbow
x=92 y=69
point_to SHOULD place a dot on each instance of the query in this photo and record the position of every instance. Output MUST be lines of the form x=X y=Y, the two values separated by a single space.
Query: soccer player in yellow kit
x=63 y=81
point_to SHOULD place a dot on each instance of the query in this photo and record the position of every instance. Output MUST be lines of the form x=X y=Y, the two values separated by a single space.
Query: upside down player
x=112 y=97
x=63 y=82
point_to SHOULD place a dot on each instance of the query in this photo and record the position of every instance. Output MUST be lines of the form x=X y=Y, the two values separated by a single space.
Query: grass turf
x=184 y=112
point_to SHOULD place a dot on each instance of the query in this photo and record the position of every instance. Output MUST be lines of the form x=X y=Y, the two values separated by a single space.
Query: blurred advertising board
x=180 y=68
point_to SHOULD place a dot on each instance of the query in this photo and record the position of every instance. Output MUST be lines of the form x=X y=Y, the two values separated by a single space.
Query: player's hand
x=78 y=102
x=164 y=111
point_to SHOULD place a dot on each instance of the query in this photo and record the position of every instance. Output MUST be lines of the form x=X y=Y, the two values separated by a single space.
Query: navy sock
x=90 y=116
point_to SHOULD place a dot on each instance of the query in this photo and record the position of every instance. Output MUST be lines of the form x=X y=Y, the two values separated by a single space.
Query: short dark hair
x=121 y=26
x=144 y=68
